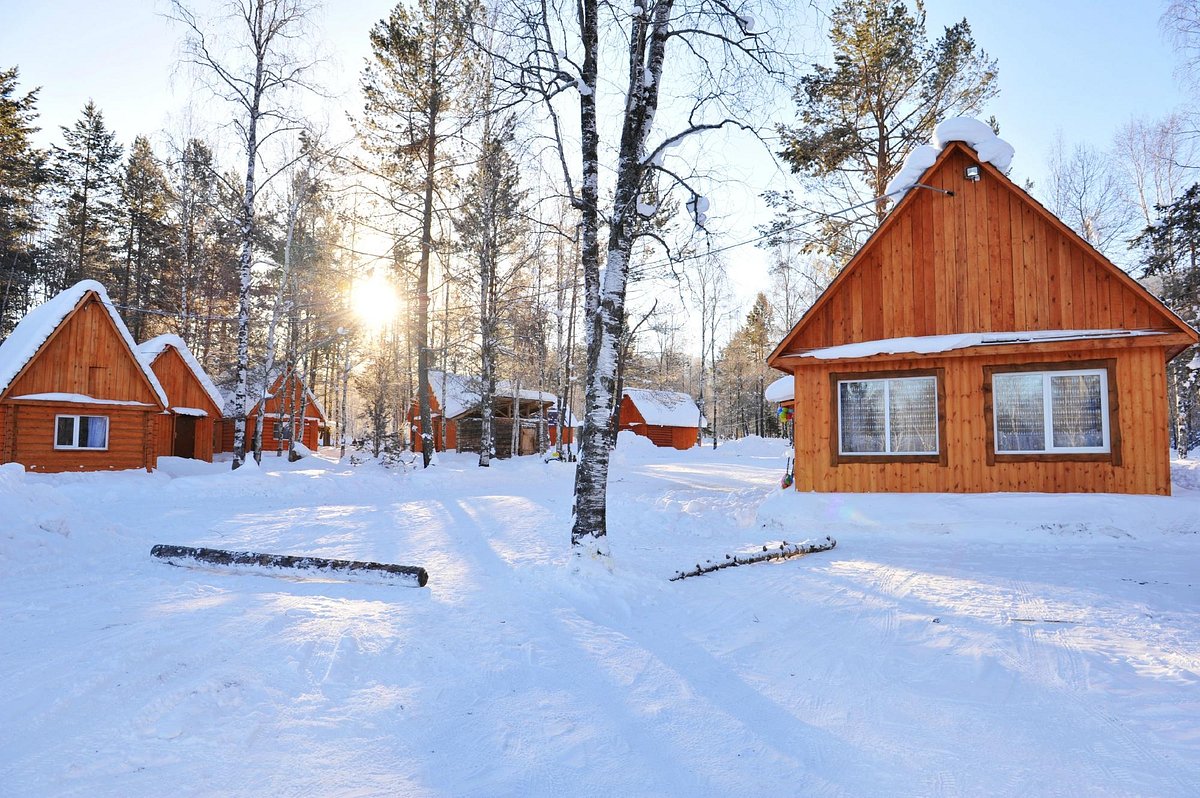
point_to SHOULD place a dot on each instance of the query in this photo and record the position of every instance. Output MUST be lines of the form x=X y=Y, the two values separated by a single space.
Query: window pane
x=1076 y=410
x=1018 y=408
x=65 y=432
x=913 y=415
x=94 y=433
x=861 y=423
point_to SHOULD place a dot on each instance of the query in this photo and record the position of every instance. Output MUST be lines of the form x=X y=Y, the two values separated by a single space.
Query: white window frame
x=887 y=419
x=75 y=435
x=1048 y=413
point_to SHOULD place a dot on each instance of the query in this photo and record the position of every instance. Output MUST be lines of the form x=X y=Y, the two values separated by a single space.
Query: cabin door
x=185 y=437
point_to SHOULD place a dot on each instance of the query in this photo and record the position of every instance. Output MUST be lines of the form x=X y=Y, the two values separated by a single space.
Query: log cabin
x=186 y=429
x=667 y=418
x=73 y=394
x=454 y=402
x=976 y=343
x=285 y=396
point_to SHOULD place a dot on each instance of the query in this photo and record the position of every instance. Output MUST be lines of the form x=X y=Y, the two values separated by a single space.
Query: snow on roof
x=457 y=394
x=147 y=351
x=782 y=390
x=77 y=398
x=989 y=147
x=39 y=324
x=926 y=344
x=666 y=408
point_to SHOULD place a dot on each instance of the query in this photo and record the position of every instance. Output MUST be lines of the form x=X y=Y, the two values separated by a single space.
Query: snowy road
x=952 y=646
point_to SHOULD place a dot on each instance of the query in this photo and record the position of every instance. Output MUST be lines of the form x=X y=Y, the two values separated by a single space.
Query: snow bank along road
x=987 y=645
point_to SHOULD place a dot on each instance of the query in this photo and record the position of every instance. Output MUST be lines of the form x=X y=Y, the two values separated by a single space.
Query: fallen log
x=303 y=566
x=785 y=551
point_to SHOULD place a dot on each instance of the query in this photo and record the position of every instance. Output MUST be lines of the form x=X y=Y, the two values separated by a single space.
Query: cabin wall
x=221 y=431
x=665 y=437
x=164 y=434
x=181 y=386
x=131 y=438
x=983 y=260
x=1141 y=391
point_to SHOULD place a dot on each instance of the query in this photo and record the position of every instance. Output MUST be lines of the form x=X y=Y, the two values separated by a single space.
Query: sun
x=374 y=301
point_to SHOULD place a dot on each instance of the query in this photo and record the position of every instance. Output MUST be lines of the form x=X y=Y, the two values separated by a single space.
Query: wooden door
x=185 y=436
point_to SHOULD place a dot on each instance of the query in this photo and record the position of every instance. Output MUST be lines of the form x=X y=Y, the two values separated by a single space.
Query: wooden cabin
x=73 y=394
x=975 y=343
x=186 y=429
x=284 y=398
x=668 y=418
x=454 y=401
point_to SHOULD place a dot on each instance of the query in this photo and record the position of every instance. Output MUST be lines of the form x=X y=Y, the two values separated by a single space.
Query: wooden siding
x=86 y=355
x=224 y=441
x=662 y=436
x=1141 y=414
x=987 y=259
x=183 y=389
x=181 y=385
x=131 y=438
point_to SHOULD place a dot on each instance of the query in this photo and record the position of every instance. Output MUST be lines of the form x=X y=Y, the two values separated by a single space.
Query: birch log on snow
x=410 y=575
x=785 y=551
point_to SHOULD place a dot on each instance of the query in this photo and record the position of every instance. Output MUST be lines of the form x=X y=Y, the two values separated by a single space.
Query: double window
x=1051 y=411
x=81 y=432
x=888 y=416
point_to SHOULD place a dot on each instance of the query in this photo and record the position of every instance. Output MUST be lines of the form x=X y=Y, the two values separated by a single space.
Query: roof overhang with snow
x=38 y=326
x=149 y=351
x=665 y=408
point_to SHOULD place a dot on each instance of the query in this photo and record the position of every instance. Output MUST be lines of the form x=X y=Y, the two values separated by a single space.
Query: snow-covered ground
x=950 y=645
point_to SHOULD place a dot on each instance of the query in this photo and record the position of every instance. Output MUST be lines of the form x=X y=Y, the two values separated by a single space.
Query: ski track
x=919 y=665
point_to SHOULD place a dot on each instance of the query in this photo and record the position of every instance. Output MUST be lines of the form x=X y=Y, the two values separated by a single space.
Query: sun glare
x=375 y=301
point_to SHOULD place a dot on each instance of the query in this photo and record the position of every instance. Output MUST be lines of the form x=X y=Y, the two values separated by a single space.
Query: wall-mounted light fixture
x=972 y=173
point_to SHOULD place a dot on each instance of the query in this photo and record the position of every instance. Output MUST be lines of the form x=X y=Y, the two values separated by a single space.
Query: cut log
x=785 y=551
x=412 y=575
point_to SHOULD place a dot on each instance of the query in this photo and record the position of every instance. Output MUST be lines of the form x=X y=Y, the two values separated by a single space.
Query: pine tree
x=86 y=170
x=22 y=174
x=489 y=225
x=1171 y=252
x=886 y=90
x=414 y=110
x=144 y=203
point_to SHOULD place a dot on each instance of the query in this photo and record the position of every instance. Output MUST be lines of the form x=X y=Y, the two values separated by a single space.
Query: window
x=282 y=431
x=81 y=432
x=1051 y=412
x=892 y=416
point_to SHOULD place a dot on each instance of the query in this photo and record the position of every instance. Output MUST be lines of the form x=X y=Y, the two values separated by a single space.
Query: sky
x=1079 y=67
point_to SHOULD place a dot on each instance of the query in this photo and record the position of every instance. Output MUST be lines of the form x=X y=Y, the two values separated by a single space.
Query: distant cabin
x=186 y=428
x=668 y=418
x=73 y=394
x=975 y=343
x=455 y=405
x=284 y=398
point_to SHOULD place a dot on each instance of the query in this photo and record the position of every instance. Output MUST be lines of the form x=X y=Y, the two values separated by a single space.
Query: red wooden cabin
x=73 y=394
x=186 y=430
x=668 y=418
x=284 y=397
x=976 y=343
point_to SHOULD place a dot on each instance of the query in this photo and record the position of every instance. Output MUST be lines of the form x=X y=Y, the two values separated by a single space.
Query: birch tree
x=253 y=62
x=575 y=55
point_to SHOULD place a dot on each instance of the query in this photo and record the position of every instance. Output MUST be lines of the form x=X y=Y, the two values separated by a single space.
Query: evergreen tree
x=886 y=90
x=147 y=246
x=489 y=225
x=415 y=108
x=86 y=170
x=1171 y=252
x=22 y=173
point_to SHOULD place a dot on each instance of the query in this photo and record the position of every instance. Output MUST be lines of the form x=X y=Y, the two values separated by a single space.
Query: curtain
x=1076 y=410
x=93 y=435
x=861 y=421
x=913 y=415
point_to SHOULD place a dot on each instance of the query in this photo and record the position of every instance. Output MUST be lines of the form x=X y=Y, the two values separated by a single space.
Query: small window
x=888 y=416
x=1051 y=412
x=81 y=432
x=282 y=431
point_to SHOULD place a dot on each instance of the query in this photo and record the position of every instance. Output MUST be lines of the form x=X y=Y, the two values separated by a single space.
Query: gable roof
x=32 y=333
x=457 y=394
x=148 y=352
x=665 y=408
x=1162 y=316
